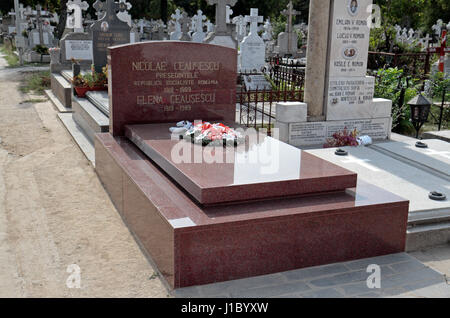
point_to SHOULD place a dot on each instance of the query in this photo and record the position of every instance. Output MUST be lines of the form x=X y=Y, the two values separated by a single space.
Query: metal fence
x=285 y=72
x=257 y=108
x=413 y=64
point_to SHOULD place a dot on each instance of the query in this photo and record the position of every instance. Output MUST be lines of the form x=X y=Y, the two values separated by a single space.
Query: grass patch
x=37 y=83
x=11 y=58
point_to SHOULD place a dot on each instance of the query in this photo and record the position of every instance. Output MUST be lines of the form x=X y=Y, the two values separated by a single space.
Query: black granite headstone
x=108 y=31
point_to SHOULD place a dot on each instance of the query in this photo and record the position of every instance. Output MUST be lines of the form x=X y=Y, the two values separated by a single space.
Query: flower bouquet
x=343 y=138
x=208 y=134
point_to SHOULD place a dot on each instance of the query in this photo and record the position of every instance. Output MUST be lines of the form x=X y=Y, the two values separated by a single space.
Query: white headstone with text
x=348 y=85
x=79 y=50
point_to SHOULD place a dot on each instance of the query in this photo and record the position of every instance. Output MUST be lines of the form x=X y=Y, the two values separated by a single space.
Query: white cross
x=253 y=19
x=141 y=25
x=229 y=13
x=445 y=154
x=209 y=26
x=438 y=27
x=124 y=15
x=177 y=16
x=198 y=21
x=78 y=7
x=241 y=27
x=176 y=35
x=361 y=162
x=427 y=40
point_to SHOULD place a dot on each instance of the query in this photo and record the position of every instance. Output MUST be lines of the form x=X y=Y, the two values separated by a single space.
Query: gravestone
x=124 y=15
x=287 y=43
x=222 y=34
x=153 y=82
x=108 y=31
x=338 y=94
x=267 y=35
x=76 y=46
x=77 y=7
x=185 y=23
x=256 y=82
x=241 y=28
x=173 y=208
x=253 y=50
x=176 y=35
x=199 y=35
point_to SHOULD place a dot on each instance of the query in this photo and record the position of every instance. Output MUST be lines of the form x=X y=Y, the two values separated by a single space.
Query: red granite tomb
x=209 y=222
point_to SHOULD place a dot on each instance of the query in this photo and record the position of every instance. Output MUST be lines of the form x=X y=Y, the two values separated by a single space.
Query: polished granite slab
x=261 y=168
x=192 y=244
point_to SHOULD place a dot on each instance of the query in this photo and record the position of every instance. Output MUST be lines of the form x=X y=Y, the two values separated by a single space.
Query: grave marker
x=108 y=31
x=176 y=35
x=77 y=7
x=152 y=82
x=253 y=50
x=287 y=43
x=199 y=35
x=222 y=35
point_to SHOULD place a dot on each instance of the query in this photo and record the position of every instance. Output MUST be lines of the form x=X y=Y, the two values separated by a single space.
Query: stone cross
x=229 y=13
x=77 y=6
x=437 y=28
x=28 y=11
x=254 y=19
x=267 y=35
x=185 y=22
x=289 y=12
x=39 y=24
x=19 y=48
x=161 y=30
x=221 y=14
x=176 y=35
x=209 y=26
x=124 y=15
x=425 y=41
x=110 y=7
x=141 y=25
x=241 y=27
x=198 y=36
x=100 y=8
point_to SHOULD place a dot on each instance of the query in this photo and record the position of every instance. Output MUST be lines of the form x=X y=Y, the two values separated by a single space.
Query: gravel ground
x=54 y=212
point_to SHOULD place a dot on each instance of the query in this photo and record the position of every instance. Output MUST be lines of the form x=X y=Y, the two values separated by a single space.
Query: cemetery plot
x=204 y=221
x=195 y=245
x=392 y=175
x=436 y=157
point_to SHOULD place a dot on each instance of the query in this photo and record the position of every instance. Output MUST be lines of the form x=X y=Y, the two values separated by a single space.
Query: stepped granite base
x=193 y=245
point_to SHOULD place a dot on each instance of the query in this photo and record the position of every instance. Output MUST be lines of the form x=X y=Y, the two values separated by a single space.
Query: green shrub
x=390 y=84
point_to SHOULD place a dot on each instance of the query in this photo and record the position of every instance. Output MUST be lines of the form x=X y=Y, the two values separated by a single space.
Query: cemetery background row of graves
x=271 y=62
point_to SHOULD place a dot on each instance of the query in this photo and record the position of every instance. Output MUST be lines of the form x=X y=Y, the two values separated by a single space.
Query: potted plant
x=91 y=81
x=80 y=85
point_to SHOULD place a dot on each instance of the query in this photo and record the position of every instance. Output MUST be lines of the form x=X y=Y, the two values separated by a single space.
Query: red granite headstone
x=157 y=82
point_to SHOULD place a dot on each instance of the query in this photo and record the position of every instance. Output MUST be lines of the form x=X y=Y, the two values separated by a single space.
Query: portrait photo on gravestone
x=224 y=149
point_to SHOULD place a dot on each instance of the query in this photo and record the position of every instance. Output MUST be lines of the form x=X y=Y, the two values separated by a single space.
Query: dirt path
x=54 y=212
